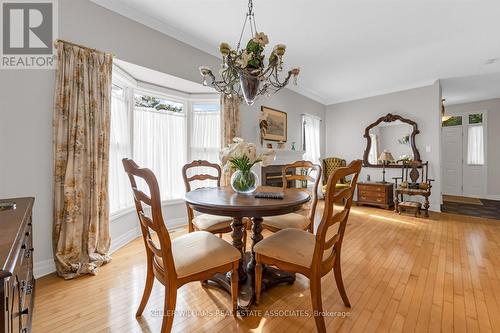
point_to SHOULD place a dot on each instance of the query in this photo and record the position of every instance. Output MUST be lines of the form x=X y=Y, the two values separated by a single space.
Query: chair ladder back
x=200 y=176
x=309 y=167
x=333 y=217
x=155 y=222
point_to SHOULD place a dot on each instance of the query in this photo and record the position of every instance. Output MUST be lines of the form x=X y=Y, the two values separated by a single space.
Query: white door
x=452 y=160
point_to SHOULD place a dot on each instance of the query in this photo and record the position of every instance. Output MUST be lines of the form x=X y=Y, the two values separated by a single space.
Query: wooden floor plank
x=402 y=274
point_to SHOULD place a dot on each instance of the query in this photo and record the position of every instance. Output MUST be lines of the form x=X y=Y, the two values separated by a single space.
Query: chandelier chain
x=250 y=18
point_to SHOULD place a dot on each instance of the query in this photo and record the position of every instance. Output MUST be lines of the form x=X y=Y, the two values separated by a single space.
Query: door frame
x=465 y=125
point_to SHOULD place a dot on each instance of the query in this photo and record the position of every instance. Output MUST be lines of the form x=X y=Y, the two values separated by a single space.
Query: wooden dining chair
x=196 y=256
x=313 y=255
x=304 y=219
x=205 y=222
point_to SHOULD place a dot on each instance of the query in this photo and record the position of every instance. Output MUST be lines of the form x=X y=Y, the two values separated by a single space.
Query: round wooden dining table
x=224 y=201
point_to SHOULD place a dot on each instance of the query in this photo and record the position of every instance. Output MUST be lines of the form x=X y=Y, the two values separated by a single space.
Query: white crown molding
x=155 y=24
x=189 y=39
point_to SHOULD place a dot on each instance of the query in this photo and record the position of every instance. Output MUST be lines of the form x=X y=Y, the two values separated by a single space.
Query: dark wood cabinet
x=16 y=266
x=376 y=194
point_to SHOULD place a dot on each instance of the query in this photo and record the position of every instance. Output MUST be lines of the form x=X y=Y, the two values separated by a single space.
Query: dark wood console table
x=17 y=286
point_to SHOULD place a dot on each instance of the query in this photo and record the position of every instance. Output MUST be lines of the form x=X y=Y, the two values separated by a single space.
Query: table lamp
x=385 y=157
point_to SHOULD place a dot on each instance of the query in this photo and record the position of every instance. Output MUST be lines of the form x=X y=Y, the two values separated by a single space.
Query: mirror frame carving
x=387 y=119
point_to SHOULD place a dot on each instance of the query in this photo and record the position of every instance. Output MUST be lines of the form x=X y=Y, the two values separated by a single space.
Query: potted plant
x=239 y=157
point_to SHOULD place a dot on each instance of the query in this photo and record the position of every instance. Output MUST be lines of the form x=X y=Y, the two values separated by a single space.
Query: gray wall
x=493 y=124
x=346 y=123
x=26 y=103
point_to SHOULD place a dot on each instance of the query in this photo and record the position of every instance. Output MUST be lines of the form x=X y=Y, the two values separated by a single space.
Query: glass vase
x=244 y=181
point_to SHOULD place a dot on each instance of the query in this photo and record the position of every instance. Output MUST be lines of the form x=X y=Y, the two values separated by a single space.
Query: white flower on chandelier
x=261 y=38
x=244 y=59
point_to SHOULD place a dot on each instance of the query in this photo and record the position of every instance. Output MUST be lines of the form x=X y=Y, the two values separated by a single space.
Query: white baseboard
x=177 y=223
x=44 y=267
x=124 y=239
x=492 y=197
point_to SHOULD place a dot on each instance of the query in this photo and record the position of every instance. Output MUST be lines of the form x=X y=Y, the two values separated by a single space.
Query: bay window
x=161 y=132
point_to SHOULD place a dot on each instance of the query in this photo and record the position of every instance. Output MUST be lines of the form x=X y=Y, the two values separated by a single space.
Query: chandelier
x=244 y=72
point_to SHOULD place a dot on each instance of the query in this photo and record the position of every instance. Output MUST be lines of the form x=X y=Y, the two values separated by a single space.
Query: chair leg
x=310 y=228
x=234 y=289
x=340 y=283
x=169 y=308
x=258 y=280
x=150 y=278
x=317 y=304
x=244 y=239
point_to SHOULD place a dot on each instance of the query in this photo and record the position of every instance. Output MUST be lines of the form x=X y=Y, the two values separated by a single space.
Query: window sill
x=122 y=212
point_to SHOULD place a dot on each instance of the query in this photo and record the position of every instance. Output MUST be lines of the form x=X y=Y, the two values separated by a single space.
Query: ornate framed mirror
x=390 y=134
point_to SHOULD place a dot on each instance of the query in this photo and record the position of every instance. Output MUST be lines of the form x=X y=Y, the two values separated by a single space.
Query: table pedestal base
x=246 y=298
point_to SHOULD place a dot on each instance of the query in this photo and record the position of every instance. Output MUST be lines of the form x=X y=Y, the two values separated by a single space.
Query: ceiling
x=471 y=88
x=346 y=49
x=160 y=79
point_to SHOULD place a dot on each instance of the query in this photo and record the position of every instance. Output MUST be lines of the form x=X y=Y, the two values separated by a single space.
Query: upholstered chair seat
x=292 y=220
x=293 y=246
x=338 y=186
x=211 y=223
x=200 y=251
x=303 y=172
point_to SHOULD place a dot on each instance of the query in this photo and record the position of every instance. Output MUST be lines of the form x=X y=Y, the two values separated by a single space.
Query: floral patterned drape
x=81 y=150
x=231 y=126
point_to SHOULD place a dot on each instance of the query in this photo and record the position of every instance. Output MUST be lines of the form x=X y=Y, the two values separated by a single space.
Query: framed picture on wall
x=276 y=124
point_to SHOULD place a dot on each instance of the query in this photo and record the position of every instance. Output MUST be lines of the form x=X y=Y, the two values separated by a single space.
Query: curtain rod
x=79 y=45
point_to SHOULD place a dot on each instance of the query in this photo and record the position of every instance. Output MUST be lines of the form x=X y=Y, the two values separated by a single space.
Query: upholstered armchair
x=330 y=164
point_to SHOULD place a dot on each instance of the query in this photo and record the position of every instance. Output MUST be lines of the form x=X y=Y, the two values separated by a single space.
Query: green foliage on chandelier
x=252 y=57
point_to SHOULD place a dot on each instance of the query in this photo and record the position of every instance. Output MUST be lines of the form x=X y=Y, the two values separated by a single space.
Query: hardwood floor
x=401 y=274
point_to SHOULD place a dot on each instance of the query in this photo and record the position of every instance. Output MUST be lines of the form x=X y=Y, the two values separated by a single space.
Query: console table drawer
x=372 y=188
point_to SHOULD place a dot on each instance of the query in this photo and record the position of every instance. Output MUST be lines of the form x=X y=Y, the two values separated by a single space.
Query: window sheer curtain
x=120 y=196
x=160 y=145
x=475 y=145
x=205 y=140
x=312 y=138
x=206 y=132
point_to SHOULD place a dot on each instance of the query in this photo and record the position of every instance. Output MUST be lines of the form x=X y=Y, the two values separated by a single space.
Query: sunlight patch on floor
x=390 y=219
x=259 y=328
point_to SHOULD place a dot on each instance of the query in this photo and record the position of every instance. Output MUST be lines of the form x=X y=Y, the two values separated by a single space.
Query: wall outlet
x=427 y=149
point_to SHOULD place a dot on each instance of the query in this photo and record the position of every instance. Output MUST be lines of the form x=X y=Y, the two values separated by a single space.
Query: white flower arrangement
x=241 y=155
